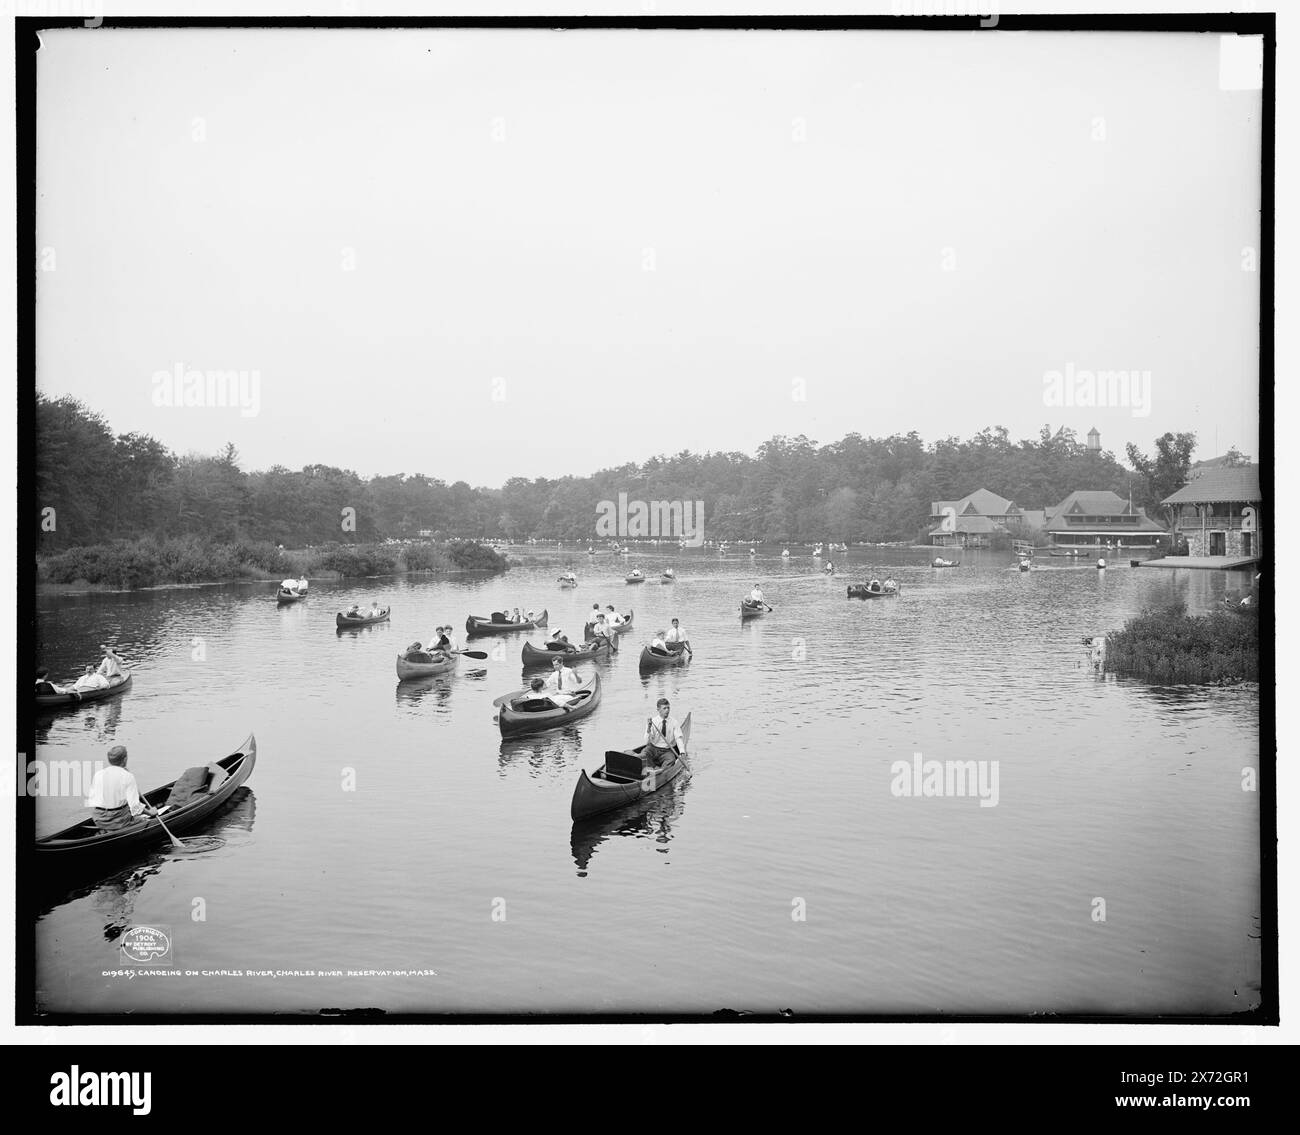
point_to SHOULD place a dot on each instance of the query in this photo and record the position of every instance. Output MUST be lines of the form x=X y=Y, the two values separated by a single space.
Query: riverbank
x=188 y=562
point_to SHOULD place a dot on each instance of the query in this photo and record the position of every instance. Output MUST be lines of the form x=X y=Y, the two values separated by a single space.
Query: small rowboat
x=750 y=610
x=538 y=656
x=667 y=577
x=567 y=582
x=532 y=714
x=622 y=628
x=942 y=563
x=84 y=846
x=61 y=701
x=653 y=660
x=346 y=622
x=282 y=596
x=622 y=779
x=635 y=577
x=477 y=626
x=423 y=665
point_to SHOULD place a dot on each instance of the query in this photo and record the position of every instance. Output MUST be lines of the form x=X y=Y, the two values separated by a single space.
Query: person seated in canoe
x=353 y=612
x=569 y=577
x=375 y=610
x=44 y=687
x=289 y=585
x=538 y=692
x=669 y=574
x=517 y=617
x=676 y=634
x=447 y=640
x=602 y=631
x=612 y=617
x=500 y=617
x=658 y=645
x=114 y=794
x=302 y=585
x=829 y=569
x=111 y=666
x=662 y=735
x=555 y=679
x=559 y=642
x=91 y=679
x=416 y=653
x=530 y=617
x=756 y=597
x=891 y=584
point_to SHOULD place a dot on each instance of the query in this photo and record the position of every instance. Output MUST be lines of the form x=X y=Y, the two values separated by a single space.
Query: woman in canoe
x=658 y=645
x=612 y=617
x=559 y=642
x=353 y=612
x=662 y=735
x=539 y=690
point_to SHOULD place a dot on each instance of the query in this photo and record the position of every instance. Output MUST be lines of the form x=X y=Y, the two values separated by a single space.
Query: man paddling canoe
x=662 y=734
x=678 y=635
x=114 y=794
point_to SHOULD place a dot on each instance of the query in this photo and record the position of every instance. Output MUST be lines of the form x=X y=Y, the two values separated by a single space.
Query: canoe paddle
x=478 y=654
x=175 y=841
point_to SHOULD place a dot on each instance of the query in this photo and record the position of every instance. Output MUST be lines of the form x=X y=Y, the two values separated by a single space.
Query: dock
x=1205 y=563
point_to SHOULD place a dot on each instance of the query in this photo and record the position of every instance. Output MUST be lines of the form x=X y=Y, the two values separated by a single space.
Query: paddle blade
x=480 y=655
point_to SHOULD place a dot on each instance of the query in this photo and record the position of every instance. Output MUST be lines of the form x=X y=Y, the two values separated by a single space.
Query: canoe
x=344 y=622
x=748 y=611
x=863 y=591
x=516 y=722
x=417 y=669
x=567 y=582
x=623 y=779
x=634 y=579
x=945 y=563
x=667 y=579
x=622 y=628
x=534 y=656
x=477 y=626
x=282 y=596
x=60 y=701
x=651 y=660
x=84 y=846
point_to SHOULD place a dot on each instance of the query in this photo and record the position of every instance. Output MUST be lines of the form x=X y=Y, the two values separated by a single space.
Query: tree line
x=103 y=487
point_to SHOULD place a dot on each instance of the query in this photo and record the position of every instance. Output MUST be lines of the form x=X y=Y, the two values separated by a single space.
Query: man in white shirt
x=662 y=734
x=555 y=679
x=302 y=585
x=678 y=634
x=92 y=679
x=602 y=630
x=111 y=667
x=756 y=596
x=613 y=618
x=114 y=794
x=289 y=585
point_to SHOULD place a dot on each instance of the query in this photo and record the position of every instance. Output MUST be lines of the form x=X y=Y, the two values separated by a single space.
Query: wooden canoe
x=945 y=563
x=634 y=579
x=515 y=722
x=84 y=846
x=863 y=591
x=751 y=611
x=667 y=579
x=616 y=783
x=62 y=701
x=534 y=656
x=651 y=660
x=567 y=582
x=282 y=596
x=621 y=629
x=421 y=669
x=476 y=626
x=346 y=622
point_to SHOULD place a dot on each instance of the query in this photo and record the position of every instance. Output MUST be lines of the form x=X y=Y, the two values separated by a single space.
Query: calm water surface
x=454 y=851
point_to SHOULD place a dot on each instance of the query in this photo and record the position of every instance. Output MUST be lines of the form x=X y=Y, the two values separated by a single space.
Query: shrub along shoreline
x=1169 y=647
x=129 y=565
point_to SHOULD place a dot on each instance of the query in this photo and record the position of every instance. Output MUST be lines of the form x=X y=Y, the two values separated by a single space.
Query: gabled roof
x=1221 y=483
x=1098 y=502
x=979 y=503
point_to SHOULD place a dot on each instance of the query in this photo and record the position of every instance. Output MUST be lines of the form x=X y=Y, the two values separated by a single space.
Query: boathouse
x=1100 y=519
x=1219 y=512
x=977 y=520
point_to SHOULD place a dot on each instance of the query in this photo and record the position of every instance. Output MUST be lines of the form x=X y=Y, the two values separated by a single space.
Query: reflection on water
x=1107 y=787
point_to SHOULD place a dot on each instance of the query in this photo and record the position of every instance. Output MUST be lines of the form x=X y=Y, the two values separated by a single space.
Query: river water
x=387 y=827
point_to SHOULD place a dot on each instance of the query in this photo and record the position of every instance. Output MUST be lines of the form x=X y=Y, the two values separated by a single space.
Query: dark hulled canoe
x=652 y=660
x=282 y=596
x=748 y=611
x=862 y=591
x=345 y=622
x=61 y=701
x=420 y=669
x=621 y=629
x=534 y=656
x=516 y=722
x=617 y=782
x=937 y=564
x=476 y=626
x=83 y=846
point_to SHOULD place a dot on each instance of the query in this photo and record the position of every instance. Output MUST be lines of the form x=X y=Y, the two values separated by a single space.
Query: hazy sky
x=432 y=246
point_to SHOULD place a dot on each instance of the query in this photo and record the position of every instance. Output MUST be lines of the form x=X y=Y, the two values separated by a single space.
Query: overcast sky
x=432 y=246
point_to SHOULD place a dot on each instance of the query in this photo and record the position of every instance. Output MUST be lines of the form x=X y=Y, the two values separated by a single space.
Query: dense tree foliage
x=105 y=488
